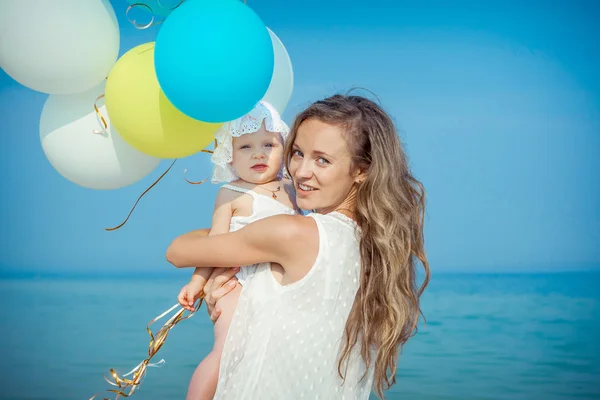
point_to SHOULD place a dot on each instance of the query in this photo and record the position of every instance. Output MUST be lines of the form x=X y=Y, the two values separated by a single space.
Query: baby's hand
x=190 y=293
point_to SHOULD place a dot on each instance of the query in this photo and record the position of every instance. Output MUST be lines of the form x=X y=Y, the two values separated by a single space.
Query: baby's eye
x=245 y=146
x=270 y=145
x=323 y=161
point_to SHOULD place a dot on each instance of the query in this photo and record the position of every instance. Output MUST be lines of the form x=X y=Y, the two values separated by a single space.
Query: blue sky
x=498 y=105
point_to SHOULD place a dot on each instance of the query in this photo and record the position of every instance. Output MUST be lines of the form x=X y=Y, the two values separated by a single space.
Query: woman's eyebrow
x=323 y=154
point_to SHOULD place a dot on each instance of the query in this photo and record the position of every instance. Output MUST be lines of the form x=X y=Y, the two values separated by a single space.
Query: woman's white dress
x=284 y=341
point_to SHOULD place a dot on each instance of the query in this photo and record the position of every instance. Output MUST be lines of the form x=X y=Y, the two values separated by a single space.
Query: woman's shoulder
x=331 y=225
x=296 y=225
x=335 y=219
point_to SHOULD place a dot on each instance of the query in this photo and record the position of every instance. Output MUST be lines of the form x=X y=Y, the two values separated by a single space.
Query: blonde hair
x=389 y=208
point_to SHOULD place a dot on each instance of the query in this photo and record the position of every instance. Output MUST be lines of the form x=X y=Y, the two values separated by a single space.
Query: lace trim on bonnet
x=249 y=123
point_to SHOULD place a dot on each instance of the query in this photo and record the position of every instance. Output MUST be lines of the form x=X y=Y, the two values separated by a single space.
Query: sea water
x=503 y=336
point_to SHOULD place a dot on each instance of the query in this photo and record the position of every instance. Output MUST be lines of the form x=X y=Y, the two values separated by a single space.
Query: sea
x=486 y=336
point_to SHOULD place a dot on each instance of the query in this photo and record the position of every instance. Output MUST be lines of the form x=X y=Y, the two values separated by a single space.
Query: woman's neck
x=346 y=207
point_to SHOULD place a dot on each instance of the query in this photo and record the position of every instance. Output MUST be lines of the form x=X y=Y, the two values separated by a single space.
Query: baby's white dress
x=284 y=341
x=262 y=207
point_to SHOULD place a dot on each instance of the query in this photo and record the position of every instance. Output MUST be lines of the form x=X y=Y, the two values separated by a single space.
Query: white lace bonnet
x=249 y=123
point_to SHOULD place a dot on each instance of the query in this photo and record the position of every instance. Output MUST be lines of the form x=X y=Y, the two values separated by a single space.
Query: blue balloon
x=214 y=59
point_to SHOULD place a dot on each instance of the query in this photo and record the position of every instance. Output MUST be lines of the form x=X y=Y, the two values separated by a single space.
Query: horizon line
x=6 y=274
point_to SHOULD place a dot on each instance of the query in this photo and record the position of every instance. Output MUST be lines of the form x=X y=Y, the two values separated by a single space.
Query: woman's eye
x=297 y=153
x=323 y=161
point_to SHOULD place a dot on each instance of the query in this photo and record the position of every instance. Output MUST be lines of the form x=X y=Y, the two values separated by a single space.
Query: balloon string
x=151 y=23
x=210 y=151
x=156 y=342
x=205 y=179
x=172 y=8
x=100 y=116
x=142 y=195
x=156 y=181
x=193 y=182
x=134 y=22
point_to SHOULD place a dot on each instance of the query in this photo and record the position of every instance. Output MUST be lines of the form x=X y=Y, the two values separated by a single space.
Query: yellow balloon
x=143 y=116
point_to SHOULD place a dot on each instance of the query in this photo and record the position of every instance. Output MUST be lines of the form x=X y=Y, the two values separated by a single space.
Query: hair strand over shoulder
x=389 y=209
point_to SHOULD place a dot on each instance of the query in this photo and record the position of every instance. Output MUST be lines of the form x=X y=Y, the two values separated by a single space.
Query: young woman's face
x=321 y=166
x=258 y=156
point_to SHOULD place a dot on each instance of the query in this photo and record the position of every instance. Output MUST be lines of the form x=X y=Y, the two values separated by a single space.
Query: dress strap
x=239 y=189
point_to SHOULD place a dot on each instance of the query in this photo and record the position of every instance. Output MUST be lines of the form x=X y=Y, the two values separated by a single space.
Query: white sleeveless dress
x=262 y=207
x=284 y=341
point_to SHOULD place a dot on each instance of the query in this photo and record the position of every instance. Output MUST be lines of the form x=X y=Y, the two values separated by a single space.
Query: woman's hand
x=221 y=282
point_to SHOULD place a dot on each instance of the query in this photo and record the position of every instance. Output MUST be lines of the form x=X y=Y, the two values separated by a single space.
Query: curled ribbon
x=134 y=22
x=205 y=179
x=100 y=116
x=151 y=23
x=194 y=182
x=156 y=342
x=210 y=151
x=167 y=8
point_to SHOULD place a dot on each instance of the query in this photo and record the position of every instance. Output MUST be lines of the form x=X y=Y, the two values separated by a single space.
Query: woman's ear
x=359 y=176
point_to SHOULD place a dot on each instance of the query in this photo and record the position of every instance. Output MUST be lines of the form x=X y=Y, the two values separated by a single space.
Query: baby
x=249 y=155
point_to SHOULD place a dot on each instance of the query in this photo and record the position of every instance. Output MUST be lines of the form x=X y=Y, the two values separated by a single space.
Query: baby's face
x=258 y=156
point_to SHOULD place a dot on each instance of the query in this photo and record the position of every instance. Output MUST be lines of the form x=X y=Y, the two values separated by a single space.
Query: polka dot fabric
x=284 y=341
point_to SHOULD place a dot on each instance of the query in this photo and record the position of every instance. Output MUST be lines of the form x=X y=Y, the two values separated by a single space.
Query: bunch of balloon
x=220 y=48
x=67 y=52
x=143 y=115
x=211 y=62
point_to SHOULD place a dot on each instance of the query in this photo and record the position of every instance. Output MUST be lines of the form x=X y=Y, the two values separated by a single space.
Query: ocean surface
x=528 y=336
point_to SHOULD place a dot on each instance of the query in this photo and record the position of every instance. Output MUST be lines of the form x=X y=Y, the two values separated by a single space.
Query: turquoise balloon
x=214 y=59
x=156 y=7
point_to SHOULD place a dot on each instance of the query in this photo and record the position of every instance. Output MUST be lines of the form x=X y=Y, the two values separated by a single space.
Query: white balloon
x=92 y=160
x=58 y=47
x=282 y=83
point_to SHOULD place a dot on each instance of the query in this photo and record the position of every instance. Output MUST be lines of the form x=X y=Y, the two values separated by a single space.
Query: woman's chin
x=304 y=204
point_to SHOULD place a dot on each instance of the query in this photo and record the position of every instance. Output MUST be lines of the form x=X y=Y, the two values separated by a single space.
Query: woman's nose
x=303 y=171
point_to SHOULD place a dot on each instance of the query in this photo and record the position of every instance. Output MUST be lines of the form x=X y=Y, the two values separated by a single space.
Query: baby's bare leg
x=204 y=381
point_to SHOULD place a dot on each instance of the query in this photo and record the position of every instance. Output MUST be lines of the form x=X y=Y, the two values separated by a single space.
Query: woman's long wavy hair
x=390 y=207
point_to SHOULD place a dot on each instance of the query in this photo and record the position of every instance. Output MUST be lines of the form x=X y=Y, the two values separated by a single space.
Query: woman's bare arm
x=288 y=240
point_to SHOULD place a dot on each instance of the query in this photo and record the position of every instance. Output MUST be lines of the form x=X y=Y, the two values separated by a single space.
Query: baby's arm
x=220 y=224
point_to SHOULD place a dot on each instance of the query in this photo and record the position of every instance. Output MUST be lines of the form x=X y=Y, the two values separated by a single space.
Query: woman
x=336 y=297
